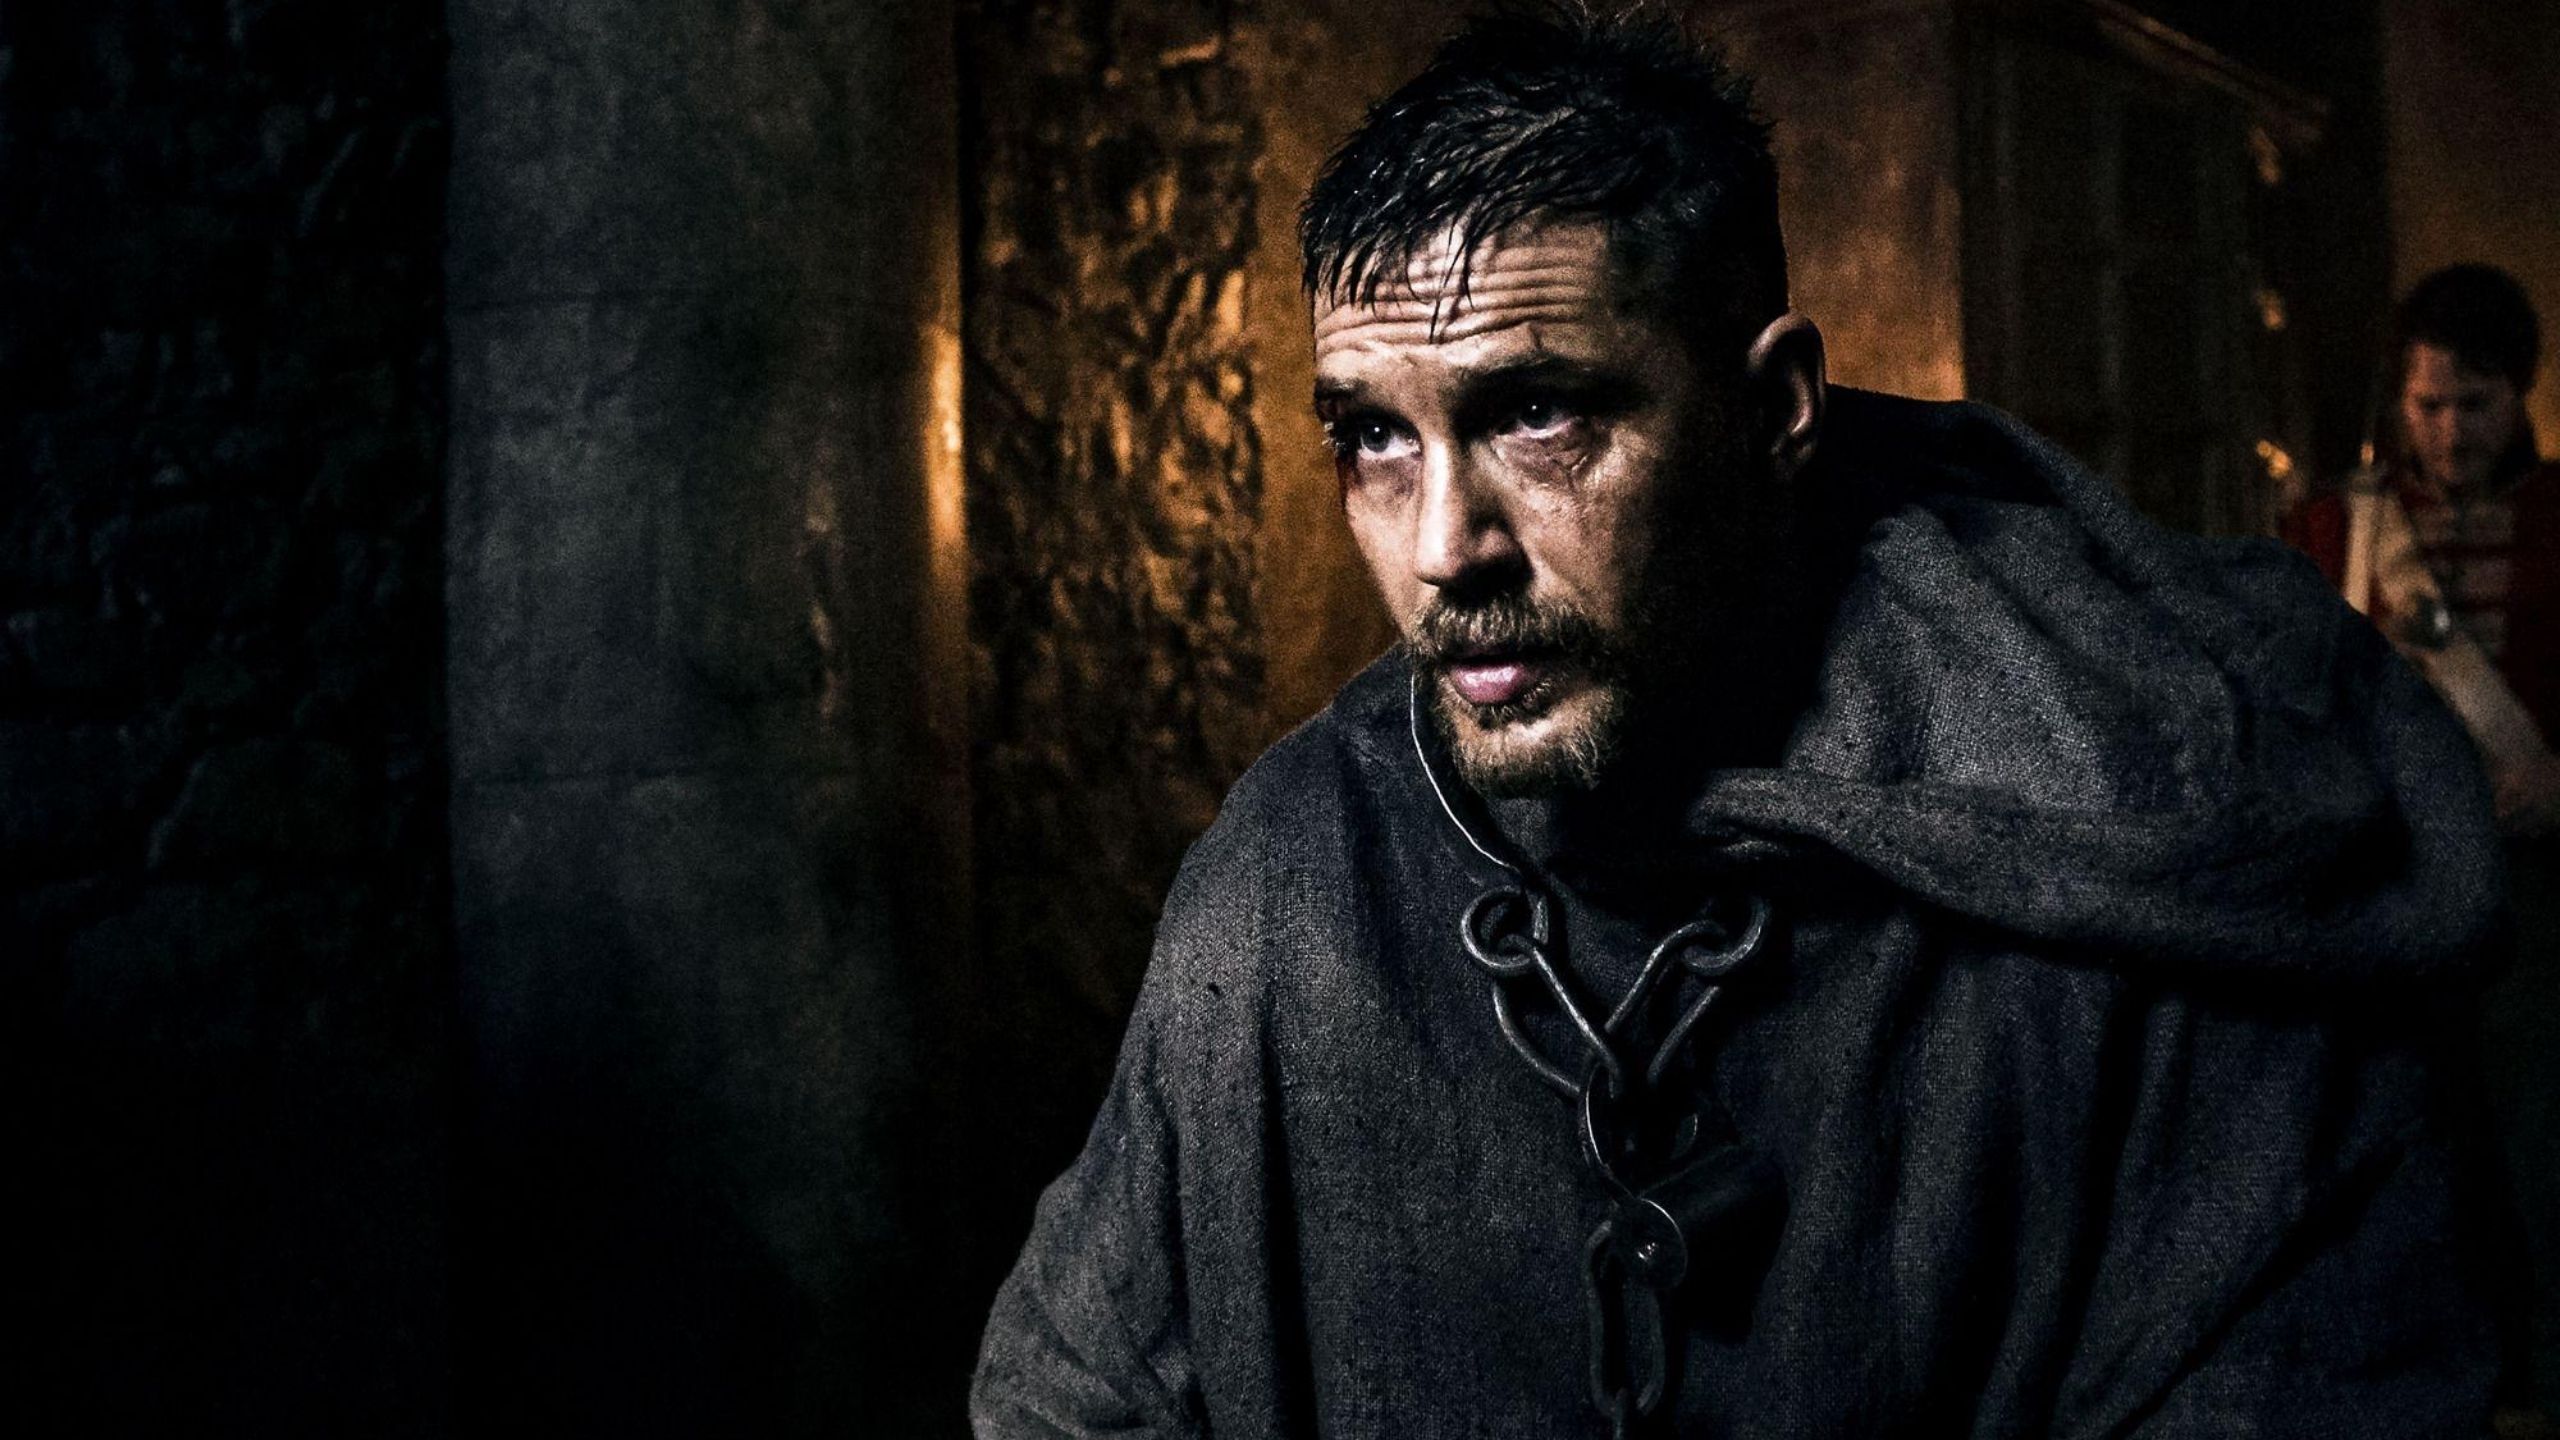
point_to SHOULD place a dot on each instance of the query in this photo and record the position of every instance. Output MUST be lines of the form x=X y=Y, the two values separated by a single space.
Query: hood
x=2041 y=711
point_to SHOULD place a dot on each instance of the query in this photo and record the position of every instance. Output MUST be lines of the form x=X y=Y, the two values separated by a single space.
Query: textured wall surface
x=1864 y=101
x=224 y=995
x=1114 y=476
x=707 y=808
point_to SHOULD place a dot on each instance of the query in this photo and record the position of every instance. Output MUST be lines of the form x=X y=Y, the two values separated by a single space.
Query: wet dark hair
x=2480 y=314
x=1564 y=112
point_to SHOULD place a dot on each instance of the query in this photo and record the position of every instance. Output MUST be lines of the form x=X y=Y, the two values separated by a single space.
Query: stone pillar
x=706 y=653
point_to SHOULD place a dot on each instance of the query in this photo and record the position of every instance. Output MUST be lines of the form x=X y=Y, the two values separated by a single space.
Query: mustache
x=1510 y=623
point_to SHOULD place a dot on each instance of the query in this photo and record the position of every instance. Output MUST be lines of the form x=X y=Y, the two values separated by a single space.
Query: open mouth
x=1499 y=677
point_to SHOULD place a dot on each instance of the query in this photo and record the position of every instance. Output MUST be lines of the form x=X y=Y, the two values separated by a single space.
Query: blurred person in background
x=2449 y=540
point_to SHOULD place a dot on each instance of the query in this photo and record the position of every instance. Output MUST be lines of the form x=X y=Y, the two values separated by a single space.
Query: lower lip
x=1497 y=682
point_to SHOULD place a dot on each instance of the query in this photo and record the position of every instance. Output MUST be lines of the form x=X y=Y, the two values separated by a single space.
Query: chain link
x=1665 y=1188
x=1670 y=1190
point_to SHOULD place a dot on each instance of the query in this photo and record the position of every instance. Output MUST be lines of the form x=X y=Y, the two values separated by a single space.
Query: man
x=2452 y=547
x=1828 y=925
x=2453 y=544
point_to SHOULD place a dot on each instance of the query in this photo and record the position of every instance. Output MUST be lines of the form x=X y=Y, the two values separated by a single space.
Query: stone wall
x=1864 y=103
x=221 y=835
x=1115 y=486
x=709 y=804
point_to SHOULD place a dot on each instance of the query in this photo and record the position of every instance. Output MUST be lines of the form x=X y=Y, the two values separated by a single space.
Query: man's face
x=1529 y=479
x=2459 y=421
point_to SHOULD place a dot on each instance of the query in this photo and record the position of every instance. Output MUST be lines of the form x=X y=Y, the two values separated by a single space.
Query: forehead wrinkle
x=1530 y=245
x=1488 y=285
x=1557 y=286
x=1557 y=298
x=1415 y=326
x=1515 y=264
x=1391 y=370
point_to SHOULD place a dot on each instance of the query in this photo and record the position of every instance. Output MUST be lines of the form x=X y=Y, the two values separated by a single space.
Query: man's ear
x=1784 y=375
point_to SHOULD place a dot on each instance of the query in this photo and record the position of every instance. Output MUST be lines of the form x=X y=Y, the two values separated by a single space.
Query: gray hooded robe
x=2124 y=886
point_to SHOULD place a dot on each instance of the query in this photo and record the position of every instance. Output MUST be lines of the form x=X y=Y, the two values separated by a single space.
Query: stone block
x=609 y=147
x=690 y=1006
x=684 y=532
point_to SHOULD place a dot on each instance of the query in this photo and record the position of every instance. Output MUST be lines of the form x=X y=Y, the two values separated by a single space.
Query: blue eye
x=1372 y=437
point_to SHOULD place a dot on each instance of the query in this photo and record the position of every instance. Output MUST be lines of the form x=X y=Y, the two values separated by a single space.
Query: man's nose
x=1463 y=537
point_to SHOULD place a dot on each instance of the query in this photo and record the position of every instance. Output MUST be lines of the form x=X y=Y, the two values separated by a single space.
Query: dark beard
x=1515 y=624
x=1707 y=608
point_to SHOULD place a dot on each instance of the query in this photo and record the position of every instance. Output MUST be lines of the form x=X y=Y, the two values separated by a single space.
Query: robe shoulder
x=1282 y=861
x=1144 y=1302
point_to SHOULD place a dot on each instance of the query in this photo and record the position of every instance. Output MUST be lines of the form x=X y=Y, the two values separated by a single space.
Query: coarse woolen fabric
x=2127 y=893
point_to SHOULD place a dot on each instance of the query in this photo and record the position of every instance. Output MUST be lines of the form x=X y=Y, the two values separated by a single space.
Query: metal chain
x=1663 y=1193
x=1509 y=931
x=1669 y=1190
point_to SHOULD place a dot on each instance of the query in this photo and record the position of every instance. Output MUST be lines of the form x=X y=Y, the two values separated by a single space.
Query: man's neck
x=1737 y=710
